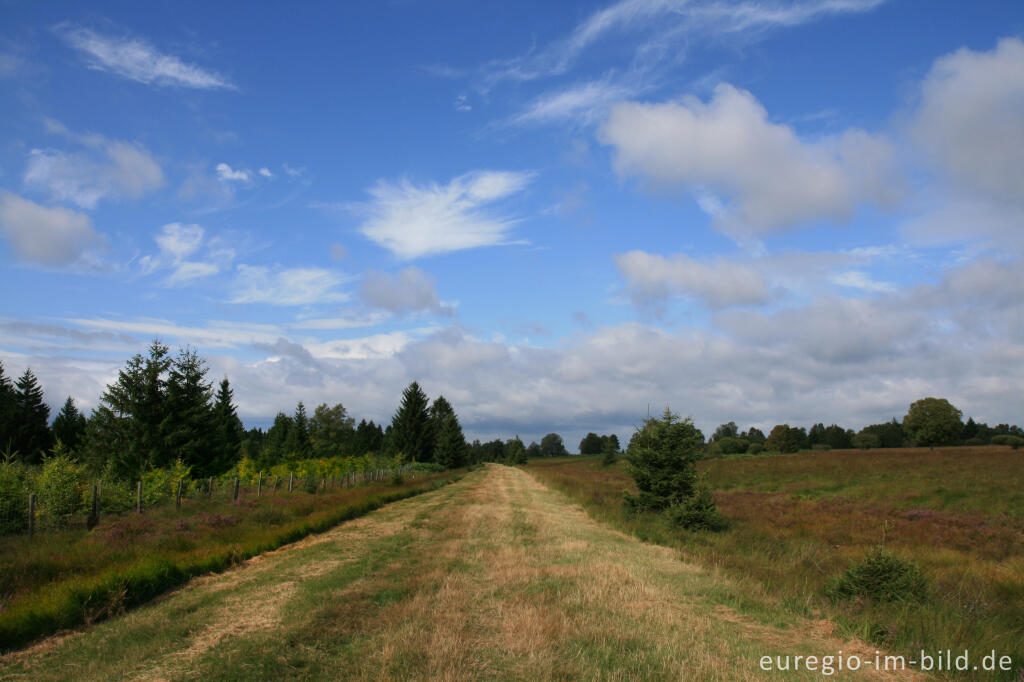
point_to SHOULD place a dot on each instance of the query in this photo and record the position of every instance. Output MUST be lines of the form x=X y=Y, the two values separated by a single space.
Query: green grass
x=799 y=521
x=61 y=580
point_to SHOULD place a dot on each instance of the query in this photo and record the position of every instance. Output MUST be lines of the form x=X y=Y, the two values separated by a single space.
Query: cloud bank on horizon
x=754 y=211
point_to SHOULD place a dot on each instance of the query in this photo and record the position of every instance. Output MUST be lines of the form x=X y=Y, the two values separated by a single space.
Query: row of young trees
x=162 y=410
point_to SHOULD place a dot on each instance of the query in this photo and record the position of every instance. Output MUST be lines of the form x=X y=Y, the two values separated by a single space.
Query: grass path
x=493 y=577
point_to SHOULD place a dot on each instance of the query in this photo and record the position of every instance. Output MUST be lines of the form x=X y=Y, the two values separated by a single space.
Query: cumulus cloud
x=969 y=119
x=420 y=220
x=265 y=172
x=769 y=177
x=178 y=244
x=288 y=287
x=228 y=174
x=53 y=237
x=104 y=168
x=408 y=291
x=718 y=284
x=137 y=60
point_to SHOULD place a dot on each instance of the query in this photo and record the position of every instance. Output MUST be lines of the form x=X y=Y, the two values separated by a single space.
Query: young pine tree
x=69 y=425
x=228 y=430
x=410 y=427
x=32 y=436
x=188 y=426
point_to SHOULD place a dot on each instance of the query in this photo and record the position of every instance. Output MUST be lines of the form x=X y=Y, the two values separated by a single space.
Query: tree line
x=163 y=411
x=929 y=422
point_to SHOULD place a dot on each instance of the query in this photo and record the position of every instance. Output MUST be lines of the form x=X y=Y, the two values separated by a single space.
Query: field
x=799 y=520
x=65 y=578
x=493 y=577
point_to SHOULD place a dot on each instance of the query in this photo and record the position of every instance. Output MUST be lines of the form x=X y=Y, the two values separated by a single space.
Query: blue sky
x=554 y=214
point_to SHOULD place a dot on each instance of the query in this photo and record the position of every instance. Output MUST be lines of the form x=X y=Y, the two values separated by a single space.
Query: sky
x=557 y=215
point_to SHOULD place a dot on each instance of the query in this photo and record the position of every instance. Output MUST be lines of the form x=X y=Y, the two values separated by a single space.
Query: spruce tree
x=124 y=435
x=188 y=426
x=450 y=446
x=228 y=430
x=6 y=412
x=515 y=451
x=298 y=445
x=410 y=427
x=69 y=426
x=276 y=440
x=32 y=435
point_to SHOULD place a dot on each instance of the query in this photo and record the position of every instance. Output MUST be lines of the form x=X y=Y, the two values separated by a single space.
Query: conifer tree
x=69 y=426
x=515 y=451
x=188 y=426
x=450 y=447
x=124 y=435
x=298 y=445
x=32 y=435
x=410 y=427
x=276 y=441
x=228 y=430
x=6 y=412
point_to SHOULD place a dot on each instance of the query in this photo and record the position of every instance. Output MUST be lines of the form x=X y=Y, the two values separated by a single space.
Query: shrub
x=60 y=486
x=866 y=441
x=662 y=462
x=1013 y=441
x=755 y=449
x=882 y=577
x=821 y=447
x=698 y=513
x=13 y=498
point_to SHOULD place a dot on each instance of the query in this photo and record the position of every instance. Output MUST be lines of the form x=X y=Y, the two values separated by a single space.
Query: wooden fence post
x=234 y=496
x=31 y=514
x=291 y=480
x=259 y=485
x=209 y=490
x=177 y=497
x=138 y=497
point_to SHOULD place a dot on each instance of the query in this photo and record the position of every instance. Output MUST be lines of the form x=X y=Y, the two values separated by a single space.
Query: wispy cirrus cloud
x=137 y=60
x=288 y=286
x=179 y=246
x=413 y=221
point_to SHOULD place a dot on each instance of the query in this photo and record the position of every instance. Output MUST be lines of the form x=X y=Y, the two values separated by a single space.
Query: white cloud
x=178 y=243
x=462 y=104
x=858 y=279
x=104 y=168
x=413 y=221
x=265 y=172
x=226 y=173
x=582 y=103
x=46 y=236
x=770 y=178
x=661 y=31
x=292 y=286
x=411 y=290
x=970 y=119
x=718 y=284
x=137 y=60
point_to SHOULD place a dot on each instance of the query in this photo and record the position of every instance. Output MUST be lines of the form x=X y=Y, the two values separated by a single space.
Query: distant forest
x=162 y=409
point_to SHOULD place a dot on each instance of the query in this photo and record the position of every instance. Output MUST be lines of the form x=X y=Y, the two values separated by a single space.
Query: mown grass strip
x=82 y=600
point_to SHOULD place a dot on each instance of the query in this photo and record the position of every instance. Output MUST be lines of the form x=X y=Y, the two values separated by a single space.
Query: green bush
x=882 y=577
x=698 y=513
x=755 y=449
x=866 y=441
x=60 y=487
x=13 y=498
x=821 y=447
x=1006 y=439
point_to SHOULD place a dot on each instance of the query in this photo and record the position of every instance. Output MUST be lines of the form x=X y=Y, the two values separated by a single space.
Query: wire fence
x=63 y=505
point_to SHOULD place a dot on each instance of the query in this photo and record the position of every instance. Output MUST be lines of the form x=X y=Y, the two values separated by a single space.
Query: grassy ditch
x=799 y=521
x=63 y=580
